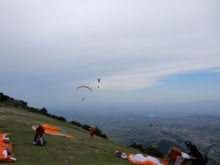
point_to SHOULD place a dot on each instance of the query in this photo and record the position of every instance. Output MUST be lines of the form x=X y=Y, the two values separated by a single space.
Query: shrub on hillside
x=43 y=111
x=97 y=131
x=76 y=123
x=138 y=147
x=86 y=127
x=4 y=98
x=153 y=151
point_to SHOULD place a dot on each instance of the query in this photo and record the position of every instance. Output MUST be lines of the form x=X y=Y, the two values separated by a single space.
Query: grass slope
x=59 y=150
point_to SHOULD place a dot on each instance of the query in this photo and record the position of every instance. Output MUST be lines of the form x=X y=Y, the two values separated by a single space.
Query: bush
x=4 y=98
x=43 y=111
x=76 y=123
x=97 y=131
x=138 y=147
x=148 y=150
x=153 y=151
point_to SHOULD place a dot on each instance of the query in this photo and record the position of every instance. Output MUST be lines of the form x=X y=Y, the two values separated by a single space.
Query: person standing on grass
x=39 y=132
x=91 y=132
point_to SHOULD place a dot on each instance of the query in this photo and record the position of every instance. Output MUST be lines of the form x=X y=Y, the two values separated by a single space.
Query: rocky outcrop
x=4 y=98
x=16 y=103
x=12 y=102
x=8 y=101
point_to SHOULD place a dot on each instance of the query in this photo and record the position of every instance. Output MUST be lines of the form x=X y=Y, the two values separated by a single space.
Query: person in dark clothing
x=39 y=132
x=197 y=153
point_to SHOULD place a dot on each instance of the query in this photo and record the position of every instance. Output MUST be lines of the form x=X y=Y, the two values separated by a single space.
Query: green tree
x=43 y=111
x=138 y=147
x=153 y=151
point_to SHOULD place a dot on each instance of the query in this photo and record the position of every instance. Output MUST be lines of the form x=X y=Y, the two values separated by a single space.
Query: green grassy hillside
x=59 y=150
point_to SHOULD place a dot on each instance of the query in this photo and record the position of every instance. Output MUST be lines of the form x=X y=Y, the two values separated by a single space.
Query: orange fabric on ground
x=174 y=153
x=141 y=163
x=3 y=145
x=178 y=157
x=52 y=130
x=165 y=160
x=6 y=154
x=140 y=159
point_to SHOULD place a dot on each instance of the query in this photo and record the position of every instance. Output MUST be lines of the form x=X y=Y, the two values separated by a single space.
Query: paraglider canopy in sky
x=99 y=81
x=84 y=87
x=151 y=116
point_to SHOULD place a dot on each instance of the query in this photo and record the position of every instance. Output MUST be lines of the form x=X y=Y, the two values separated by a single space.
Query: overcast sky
x=143 y=51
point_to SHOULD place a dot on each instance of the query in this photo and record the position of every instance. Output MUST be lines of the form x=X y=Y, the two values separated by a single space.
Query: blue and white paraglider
x=151 y=117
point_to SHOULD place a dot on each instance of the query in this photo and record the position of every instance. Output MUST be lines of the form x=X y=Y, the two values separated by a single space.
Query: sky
x=143 y=51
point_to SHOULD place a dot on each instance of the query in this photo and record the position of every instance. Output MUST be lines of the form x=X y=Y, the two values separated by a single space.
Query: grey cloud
x=56 y=43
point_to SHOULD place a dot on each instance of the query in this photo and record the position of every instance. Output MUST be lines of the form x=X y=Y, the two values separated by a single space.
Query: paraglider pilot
x=197 y=153
x=91 y=132
x=39 y=132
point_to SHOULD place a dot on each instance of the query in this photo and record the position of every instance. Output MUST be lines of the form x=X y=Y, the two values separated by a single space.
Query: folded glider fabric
x=52 y=130
x=175 y=157
x=6 y=154
x=139 y=159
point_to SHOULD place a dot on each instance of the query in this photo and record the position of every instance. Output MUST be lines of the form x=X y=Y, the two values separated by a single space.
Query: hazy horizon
x=162 y=110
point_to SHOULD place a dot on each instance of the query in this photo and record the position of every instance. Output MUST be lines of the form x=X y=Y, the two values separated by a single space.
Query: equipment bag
x=206 y=159
x=39 y=141
x=205 y=156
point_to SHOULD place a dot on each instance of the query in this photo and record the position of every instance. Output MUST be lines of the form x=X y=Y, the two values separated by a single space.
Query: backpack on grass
x=40 y=141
